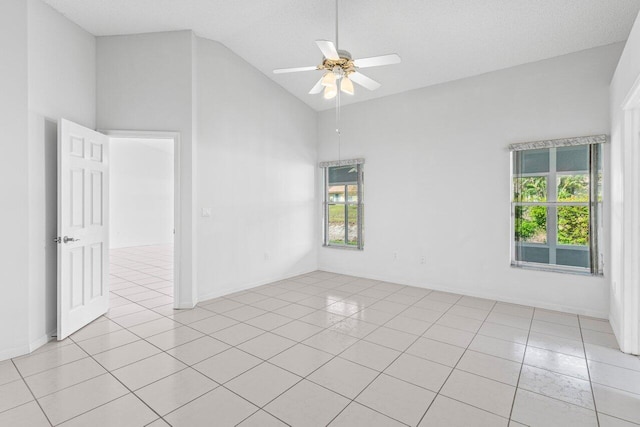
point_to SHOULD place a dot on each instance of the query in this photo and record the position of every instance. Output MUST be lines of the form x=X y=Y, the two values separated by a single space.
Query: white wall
x=145 y=82
x=436 y=154
x=14 y=334
x=140 y=192
x=62 y=70
x=256 y=171
x=624 y=188
x=255 y=160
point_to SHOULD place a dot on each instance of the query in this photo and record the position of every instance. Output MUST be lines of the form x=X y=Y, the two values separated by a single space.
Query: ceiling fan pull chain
x=338 y=123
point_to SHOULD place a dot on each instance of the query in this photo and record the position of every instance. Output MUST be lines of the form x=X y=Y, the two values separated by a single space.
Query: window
x=343 y=205
x=556 y=205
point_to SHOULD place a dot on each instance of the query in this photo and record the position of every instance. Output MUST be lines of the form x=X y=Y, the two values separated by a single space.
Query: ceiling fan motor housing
x=344 y=65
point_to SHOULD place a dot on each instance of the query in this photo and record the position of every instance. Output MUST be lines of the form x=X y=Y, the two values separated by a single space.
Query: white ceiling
x=438 y=40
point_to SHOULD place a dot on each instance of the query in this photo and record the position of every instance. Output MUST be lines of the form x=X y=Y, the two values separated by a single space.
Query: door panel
x=96 y=198
x=83 y=247
x=97 y=289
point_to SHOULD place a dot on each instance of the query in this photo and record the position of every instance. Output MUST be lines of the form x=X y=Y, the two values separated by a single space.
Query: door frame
x=625 y=247
x=177 y=209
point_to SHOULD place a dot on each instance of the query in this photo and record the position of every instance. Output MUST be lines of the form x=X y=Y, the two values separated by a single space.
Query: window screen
x=557 y=208
x=343 y=206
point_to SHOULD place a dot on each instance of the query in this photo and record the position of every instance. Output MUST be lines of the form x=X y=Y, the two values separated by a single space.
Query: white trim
x=341 y=163
x=178 y=262
x=553 y=206
x=628 y=330
x=486 y=295
x=229 y=291
x=39 y=342
x=562 y=142
x=29 y=347
x=632 y=100
x=10 y=353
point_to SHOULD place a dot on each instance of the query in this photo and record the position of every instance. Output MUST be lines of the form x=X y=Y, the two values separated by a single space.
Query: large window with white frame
x=556 y=205
x=343 y=204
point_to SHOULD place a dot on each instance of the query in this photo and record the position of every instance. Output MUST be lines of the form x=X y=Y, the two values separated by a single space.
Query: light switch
x=206 y=212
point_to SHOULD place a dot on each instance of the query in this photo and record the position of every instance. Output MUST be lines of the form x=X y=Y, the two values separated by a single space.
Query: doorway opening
x=142 y=218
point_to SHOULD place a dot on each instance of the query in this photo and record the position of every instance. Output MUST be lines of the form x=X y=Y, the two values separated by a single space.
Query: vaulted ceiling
x=438 y=40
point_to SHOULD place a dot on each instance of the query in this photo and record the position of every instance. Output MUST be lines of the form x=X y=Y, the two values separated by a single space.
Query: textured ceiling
x=438 y=40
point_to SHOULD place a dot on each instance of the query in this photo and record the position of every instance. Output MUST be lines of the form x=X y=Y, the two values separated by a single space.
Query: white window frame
x=552 y=205
x=359 y=163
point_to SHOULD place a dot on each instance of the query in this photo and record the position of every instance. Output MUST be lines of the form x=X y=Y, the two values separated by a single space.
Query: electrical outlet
x=395 y=256
x=423 y=259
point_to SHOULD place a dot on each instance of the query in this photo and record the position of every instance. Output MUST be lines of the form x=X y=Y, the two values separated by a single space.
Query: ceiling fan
x=340 y=70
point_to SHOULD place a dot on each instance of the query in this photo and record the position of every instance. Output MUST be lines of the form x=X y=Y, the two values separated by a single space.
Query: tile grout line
x=351 y=400
x=454 y=368
x=267 y=361
x=561 y=374
x=396 y=358
x=108 y=371
x=32 y=394
x=263 y=360
x=299 y=342
x=321 y=309
x=329 y=327
x=524 y=354
x=586 y=360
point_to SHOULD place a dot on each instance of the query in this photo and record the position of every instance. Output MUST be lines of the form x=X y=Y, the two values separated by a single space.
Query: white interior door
x=83 y=232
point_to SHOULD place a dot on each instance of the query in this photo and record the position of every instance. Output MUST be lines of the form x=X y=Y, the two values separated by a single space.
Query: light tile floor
x=320 y=349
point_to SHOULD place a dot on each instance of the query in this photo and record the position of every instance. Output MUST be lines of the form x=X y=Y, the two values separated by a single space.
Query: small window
x=556 y=208
x=343 y=204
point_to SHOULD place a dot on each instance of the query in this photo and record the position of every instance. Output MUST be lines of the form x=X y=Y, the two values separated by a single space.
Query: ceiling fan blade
x=376 y=61
x=317 y=88
x=328 y=49
x=293 y=70
x=364 y=81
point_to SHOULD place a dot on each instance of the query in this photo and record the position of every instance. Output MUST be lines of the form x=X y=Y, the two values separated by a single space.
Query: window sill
x=348 y=248
x=555 y=269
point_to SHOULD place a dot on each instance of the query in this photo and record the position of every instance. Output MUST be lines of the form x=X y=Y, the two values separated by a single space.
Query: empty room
x=320 y=213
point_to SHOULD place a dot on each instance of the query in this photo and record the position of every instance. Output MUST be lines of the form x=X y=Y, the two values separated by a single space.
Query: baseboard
x=616 y=332
x=485 y=295
x=614 y=326
x=185 y=305
x=14 y=352
x=39 y=342
x=27 y=348
x=252 y=285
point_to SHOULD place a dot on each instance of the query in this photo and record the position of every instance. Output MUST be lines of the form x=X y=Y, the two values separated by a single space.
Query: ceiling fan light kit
x=340 y=69
x=346 y=86
x=330 y=92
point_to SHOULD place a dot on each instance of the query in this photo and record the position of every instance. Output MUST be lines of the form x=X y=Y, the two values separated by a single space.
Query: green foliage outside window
x=530 y=189
x=573 y=221
x=531 y=221
x=336 y=213
x=531 y=224
x=573 y=225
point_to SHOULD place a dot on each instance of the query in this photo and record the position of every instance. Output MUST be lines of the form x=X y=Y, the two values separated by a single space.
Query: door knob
x=66 y=239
